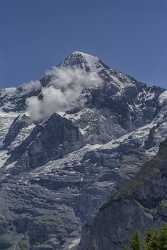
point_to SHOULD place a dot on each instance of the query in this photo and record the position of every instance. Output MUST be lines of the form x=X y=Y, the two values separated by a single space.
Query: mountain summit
x=84 y=61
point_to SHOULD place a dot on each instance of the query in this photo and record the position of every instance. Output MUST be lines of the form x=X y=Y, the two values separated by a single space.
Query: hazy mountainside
x=68 y=142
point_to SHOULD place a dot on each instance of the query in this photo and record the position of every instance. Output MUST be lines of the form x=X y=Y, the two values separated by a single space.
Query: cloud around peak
x=62 y=92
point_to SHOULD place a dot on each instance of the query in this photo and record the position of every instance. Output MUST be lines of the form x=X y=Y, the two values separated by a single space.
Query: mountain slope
x=136 y=207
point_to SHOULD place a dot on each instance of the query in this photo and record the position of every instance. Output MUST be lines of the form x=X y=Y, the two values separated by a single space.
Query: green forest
x=155 y=239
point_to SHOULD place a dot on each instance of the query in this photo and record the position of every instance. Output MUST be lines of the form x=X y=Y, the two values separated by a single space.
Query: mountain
x=68 y=142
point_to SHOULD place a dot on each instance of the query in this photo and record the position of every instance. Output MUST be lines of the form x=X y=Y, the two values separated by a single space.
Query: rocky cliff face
x=56 y=173
x=49 y=140
x=17 y=125
x=139 y=205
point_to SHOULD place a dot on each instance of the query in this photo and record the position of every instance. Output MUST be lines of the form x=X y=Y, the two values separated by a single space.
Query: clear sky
x=129 y=35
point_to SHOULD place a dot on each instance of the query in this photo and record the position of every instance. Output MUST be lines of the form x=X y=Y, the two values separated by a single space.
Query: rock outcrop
x=19 y=123
x=49 y=140
x=139 y=205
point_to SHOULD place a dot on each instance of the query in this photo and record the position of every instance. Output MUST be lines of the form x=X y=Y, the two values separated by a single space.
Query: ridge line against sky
x=127 y=35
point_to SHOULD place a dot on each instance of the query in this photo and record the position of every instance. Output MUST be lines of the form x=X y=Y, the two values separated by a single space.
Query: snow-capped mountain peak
x=84 y=61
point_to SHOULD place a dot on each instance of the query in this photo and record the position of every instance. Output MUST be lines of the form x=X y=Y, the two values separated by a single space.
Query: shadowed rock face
x=48 y=141
x=138 y=205
x=18 y=123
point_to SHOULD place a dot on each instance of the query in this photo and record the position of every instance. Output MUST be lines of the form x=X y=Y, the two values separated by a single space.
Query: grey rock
x=19 y=122
x=137 y=206
x=49 y=140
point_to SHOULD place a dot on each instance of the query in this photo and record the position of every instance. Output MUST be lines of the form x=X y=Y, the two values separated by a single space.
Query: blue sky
x=129 y=35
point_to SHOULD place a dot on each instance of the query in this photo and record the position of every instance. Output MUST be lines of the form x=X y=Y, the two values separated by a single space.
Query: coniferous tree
x=151 y=241
x=135 y=242
x=163 y=238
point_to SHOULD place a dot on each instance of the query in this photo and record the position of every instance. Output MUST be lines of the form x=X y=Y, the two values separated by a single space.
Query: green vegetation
x=153 y=240
x=135 y=242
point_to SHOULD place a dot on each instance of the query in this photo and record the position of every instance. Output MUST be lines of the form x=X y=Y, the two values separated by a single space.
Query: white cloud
x=30 y=86
x=63 y=91
x=163 y=98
